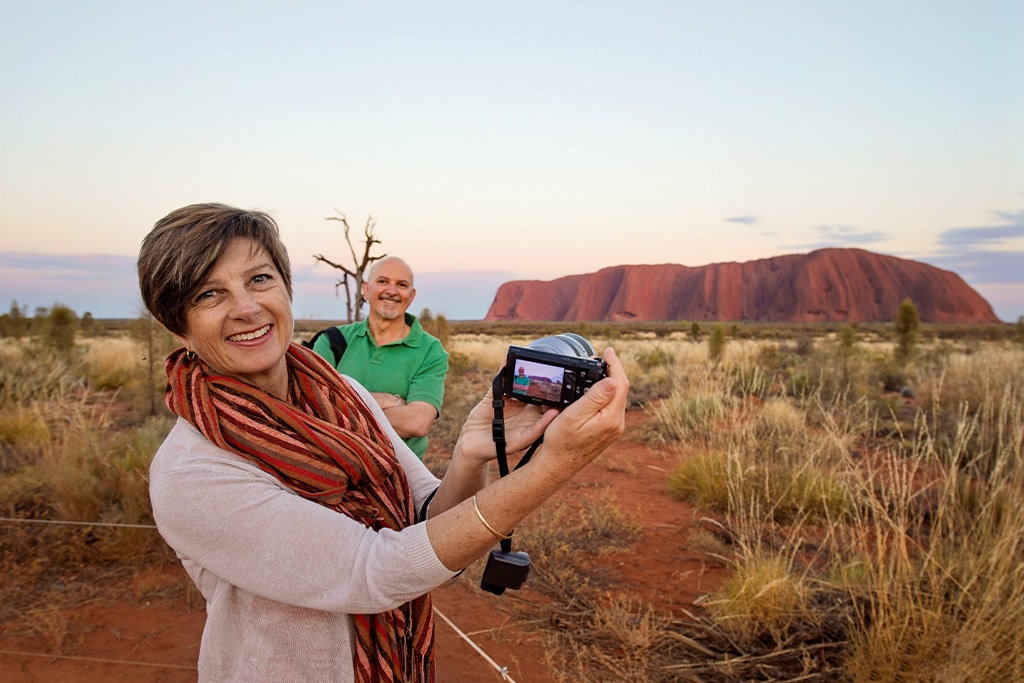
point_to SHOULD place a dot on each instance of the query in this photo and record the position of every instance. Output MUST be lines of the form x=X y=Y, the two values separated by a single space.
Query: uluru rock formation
x=828 y=285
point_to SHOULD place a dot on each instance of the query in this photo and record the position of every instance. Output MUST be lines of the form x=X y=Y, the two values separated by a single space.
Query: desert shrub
x=804 y=345
x=59 y=329
x=652 y=369
x=803 y=383
x=14 y=323
x=771 y=359
x=436 y=325
x=604 y=525
x=87 y=326
x=615 y=638
x=757 y=492
x=908 y=321
x=890 y=377
x=460 y=363
x=553 y=540
x=654 y=358
x=23 y=427
x=716 y=344
x=781 y=424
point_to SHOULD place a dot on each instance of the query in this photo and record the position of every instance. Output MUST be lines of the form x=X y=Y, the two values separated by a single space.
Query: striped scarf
x=325 y=445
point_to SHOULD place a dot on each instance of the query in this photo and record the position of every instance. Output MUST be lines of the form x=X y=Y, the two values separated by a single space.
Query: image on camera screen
x=538 y=380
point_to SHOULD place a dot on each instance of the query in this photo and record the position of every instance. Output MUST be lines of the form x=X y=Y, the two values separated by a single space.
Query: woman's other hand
x=585 y=429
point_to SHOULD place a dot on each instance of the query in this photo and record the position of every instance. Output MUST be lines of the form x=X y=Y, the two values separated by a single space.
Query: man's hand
x=386 y=401
x=409 y=419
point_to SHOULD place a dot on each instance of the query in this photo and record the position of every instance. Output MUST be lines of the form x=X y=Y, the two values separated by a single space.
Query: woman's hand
x=589 y=426
x=524 y=424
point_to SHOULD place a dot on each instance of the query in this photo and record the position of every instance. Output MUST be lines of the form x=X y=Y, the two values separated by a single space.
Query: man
x=391 y=355
x=521 y=383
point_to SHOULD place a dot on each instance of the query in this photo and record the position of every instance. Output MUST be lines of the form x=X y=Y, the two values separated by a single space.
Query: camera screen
x=538 y=380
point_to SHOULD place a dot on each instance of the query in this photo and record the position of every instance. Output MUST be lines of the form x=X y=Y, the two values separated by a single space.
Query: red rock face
x=828 y=285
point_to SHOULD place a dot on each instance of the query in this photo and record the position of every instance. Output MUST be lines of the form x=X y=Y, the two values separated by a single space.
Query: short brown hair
x=183 y=246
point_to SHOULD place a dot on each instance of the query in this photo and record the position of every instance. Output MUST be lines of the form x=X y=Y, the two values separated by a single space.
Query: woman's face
x=240 y=323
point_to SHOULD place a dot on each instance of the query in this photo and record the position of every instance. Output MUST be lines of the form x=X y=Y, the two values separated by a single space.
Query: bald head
x=391 y=264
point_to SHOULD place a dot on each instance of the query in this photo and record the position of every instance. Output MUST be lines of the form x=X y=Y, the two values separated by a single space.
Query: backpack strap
x=337 y=340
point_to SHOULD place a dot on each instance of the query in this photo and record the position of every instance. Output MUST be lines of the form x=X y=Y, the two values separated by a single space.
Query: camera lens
x=565 y=344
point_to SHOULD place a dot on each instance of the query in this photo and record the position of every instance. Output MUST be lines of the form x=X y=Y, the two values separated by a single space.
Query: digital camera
x=552 y=371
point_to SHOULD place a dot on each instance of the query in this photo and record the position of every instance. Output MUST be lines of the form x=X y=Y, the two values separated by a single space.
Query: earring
x=190 y=355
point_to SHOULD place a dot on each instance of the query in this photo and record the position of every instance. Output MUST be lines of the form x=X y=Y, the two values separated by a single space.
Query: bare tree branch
x=353 y=301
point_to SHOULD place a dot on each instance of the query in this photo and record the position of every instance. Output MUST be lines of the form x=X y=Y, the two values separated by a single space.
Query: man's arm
x=414 y=416
x=408 y=419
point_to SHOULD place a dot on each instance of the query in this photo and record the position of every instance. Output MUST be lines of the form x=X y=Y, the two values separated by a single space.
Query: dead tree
x=353 y=275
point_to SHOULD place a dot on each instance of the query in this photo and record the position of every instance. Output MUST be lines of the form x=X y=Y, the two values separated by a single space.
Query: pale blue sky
x=511 y=140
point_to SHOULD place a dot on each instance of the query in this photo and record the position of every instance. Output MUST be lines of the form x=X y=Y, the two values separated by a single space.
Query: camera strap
x=498 y=435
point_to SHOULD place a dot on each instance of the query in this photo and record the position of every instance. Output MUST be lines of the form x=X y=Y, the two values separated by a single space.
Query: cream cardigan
x=281 y=574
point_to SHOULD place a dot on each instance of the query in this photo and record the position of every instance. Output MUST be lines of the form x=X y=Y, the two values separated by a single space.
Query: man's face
x=389 y=290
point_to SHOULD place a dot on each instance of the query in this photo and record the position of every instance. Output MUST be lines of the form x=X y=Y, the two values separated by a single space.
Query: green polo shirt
x=414 y=368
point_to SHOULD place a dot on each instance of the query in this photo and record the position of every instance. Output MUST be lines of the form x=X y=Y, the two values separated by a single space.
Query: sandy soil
x=158 y=639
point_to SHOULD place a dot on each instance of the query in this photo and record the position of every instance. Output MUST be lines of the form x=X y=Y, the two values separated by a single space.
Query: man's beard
x=389 y=310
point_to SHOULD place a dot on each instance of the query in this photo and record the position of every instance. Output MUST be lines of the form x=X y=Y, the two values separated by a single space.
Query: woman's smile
x=250 y=336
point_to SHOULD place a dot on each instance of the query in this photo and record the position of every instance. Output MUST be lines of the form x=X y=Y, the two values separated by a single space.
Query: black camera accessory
x=504 y=569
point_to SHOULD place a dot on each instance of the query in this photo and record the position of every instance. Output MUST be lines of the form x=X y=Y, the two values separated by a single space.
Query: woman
x=313 y=532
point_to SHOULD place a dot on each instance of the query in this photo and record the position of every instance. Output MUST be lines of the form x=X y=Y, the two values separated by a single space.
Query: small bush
x=682 y=417
x=59 y=329
x=716 y=345
x=113 y=364
x=703 y=480
x=763 y=596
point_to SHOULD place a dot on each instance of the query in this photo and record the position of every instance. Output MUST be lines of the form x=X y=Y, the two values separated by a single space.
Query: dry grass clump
x=561 y=537
x=764 y=596
x=613 y=638
x=113 y=363
x=30 y=374
x=23 y=434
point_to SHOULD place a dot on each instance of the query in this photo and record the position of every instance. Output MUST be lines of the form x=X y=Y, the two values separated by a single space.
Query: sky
x=495 y=141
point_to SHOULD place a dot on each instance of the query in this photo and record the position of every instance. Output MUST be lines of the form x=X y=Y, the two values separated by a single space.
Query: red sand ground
x=158 y=640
